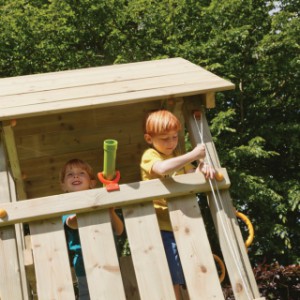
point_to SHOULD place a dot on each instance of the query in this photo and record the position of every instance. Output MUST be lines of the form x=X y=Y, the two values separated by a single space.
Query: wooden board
x=97 y=199
x=233 y=249
x=194 y=249
x=147 y=250
x=12 y=281
x=51 y=260
x=105 y=86
x=100 y=256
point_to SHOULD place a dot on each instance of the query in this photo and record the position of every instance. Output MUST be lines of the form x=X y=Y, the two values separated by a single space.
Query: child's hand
x=199 y=151
x=207 y=170
x=72 y=222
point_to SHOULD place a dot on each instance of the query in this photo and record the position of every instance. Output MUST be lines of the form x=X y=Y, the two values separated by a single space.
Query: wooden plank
x=20 y=241
x=111 y=88
x=100 y=256
x=94 y=118
x=50 y=144
x=135 y=97
x=87 y=76
x=233 y=249
x=9 y=140
x=51 y=260
x=194 y=249
x=147 y=250
x=11 y=286
x=97 y=199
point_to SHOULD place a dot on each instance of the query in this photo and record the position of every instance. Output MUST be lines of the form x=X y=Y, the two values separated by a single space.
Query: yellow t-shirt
x=149 y=157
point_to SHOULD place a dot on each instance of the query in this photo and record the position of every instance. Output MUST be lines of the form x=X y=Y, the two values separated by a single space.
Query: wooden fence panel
x=194 y=249
x=51 y=260
x=100 y=256
x=147 y=250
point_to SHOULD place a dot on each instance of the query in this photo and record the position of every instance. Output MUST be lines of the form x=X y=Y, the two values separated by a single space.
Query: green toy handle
x=109 y=163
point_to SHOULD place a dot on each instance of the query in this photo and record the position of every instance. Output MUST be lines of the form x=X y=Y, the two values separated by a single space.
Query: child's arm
x=170 y=165
x=117 y=223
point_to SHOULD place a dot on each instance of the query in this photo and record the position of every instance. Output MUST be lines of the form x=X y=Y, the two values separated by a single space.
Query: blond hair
x=75 y=162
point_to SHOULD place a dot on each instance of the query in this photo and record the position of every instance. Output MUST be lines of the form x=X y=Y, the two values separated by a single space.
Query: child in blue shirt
x=77 y=175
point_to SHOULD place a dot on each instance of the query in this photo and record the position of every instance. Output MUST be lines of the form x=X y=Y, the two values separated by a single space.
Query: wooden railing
x=107 y=279
x=50 y=255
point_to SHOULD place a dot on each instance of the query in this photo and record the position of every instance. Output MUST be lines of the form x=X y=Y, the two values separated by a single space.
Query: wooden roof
x=50 y=118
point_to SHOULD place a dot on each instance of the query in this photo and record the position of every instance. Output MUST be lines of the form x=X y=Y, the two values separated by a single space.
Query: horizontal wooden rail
x=97 y=199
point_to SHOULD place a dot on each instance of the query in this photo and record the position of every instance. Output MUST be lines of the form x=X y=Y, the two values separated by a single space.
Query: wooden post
x=12 y=280
x=232 y=245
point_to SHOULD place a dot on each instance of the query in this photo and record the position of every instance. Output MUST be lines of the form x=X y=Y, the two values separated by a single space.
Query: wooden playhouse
x=47 y=119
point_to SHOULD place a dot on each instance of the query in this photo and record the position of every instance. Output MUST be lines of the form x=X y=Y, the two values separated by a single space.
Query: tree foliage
x=255 y=127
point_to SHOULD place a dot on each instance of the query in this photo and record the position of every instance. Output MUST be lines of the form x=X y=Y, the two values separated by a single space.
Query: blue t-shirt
x=74 y=246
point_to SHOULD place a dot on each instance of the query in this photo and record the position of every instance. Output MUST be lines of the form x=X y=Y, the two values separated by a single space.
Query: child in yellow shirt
x=161 y=133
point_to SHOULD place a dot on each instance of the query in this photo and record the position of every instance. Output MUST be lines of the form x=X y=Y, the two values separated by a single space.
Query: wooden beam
x=12 y=284
x=11 y=149
x=96 y=199
x=223 y=213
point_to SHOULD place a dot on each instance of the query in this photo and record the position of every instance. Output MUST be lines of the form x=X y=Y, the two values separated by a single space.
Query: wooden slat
x=51 y=260
x=129 y=97
x=233 y=249
x=100 y=256
x=105 y=89
x=97 y=199
x=76 y=120
x=9 y=139
x=194 y=249
x=10 y=269
x=147 y=250
x=10 y=281
x=42 y=145
x=87 y=76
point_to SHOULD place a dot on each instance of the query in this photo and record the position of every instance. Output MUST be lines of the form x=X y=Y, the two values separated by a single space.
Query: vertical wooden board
x=10 y=283
x=233 y=249
x=10 y=278
x=100 y=256
x=51 y=260
x=148 y=254
x=194 y=249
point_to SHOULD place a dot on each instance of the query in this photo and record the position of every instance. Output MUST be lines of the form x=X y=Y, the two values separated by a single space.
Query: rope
x=209 y=159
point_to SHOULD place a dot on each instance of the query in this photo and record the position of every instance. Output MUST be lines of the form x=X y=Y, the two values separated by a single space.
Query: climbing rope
x=225 y=228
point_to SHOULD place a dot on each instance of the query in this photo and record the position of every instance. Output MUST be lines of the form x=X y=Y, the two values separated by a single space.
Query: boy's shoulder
x=152 y=153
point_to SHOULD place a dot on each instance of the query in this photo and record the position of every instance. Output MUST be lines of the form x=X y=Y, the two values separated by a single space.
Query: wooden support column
x=223 y=213
x=12 y=280
x=9 y=138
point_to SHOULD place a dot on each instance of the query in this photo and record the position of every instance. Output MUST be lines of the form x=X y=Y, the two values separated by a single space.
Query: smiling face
x=76 y=179
x=164 y=143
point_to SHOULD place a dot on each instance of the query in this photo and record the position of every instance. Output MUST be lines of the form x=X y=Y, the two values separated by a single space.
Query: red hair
x=161 y=121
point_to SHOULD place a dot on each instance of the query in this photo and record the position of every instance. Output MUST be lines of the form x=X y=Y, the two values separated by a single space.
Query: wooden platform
x=47 y=119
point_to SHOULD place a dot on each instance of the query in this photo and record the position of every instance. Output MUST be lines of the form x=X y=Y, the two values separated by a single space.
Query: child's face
x=76 y=179
x=164 y=143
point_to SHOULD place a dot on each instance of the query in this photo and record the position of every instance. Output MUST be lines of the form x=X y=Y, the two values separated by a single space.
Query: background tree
x=255 y=127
